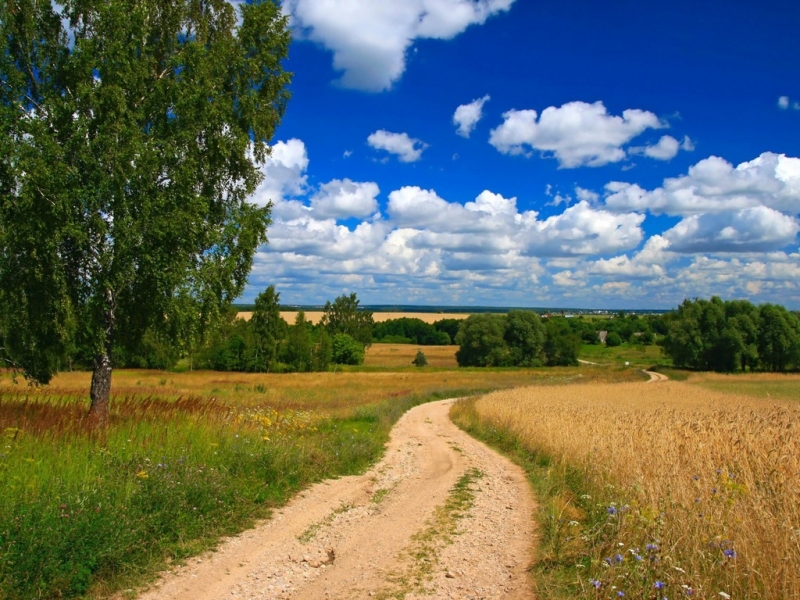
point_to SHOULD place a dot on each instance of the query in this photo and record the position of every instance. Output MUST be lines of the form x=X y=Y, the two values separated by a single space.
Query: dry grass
x=401 y=355
x=330 y=393
x=710 y=480
x=379 y=317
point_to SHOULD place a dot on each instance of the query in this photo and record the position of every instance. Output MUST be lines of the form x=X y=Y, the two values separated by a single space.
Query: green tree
x=268 y=328
x=561 y=344
x=420 y=360
x=613 y=339
x=346 y=350
x=130 y=136
x=448 y=326
x=524 y=334
x=778 y=338
x=344 y=316
x=481 y=342
x=299 y=346
x=321 y=351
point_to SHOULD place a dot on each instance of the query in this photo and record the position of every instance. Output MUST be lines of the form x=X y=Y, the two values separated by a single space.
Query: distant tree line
x=730 y=336
x=708 y=335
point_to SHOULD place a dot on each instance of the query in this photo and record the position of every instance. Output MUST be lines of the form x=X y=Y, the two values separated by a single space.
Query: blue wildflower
x=612 y=510
x=730 y=553
x=596 y=584
x=619 y=558
x=658 y=585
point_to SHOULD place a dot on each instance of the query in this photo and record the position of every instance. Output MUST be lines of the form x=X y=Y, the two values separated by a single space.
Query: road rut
x=364 y=536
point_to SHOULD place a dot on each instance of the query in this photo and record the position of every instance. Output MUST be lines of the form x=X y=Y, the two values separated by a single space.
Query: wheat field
x=314 y=316
x=686 y=491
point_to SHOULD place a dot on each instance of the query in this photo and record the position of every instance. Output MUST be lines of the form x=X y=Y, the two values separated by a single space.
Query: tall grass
x=82 y=510
x=655 y=490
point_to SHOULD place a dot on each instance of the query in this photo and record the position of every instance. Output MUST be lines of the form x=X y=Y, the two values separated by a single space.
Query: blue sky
x=537 y=153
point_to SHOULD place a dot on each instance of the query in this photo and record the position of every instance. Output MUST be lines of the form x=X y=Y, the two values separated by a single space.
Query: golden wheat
x=710 y=480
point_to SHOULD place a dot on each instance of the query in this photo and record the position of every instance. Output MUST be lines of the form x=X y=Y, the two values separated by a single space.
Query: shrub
x=347 y=351
x=613 y=339
x=420 y=360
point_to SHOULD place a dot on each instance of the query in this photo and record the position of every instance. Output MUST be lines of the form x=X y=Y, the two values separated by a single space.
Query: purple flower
x=658 y=585
x=730 y=553
x=619 y=558
x=612 y=510
x=596 y=584
x=620 y=594
x=652 y=547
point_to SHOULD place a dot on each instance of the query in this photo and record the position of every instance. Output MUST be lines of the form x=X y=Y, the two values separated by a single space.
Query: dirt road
x=441 y=516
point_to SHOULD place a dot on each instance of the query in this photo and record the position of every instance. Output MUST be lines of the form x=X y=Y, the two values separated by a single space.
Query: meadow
x=190 y=457
x=666 y=490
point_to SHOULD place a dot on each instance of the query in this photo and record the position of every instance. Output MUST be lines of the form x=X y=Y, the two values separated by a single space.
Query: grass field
x=658 y=490
x=189 y=457
x=637 y=355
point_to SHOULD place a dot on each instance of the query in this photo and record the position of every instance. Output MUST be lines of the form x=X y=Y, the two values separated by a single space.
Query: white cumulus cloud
x=343 y=199
x=756 y=229
x=369 y=38
x=666 y=148
x=406 y=148
x=577 y=133
x=715 y=185
x=284 y=173
x=783 y=102
x=468 y=115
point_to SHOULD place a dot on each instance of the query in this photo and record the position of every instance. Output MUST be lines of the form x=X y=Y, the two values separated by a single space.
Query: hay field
x=401 y=355
x=378 y=317
x=658 y=490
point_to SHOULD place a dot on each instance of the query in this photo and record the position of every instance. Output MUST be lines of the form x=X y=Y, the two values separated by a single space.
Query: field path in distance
x=390 y=533
x=655 y=376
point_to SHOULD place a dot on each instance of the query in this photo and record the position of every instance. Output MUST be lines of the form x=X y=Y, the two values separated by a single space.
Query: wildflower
x=142 y=474
x=730 y=553
x=612 y=510
x=596 y=584
x=658 y=585
x=652 y=547
x=619 y=558
x=608 y=561
x=620 y=594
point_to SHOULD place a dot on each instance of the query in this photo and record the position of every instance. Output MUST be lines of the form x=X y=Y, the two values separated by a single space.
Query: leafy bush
x=347 y=351
x=613 y=340
x=420 y=360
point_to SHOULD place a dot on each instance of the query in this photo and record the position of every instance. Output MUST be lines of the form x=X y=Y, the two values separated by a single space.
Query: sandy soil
x=654 y=376
x=370 y=536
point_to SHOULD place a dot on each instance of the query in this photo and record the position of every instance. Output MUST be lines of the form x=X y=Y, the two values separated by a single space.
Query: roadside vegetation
x=656 y=490
x=186 y=458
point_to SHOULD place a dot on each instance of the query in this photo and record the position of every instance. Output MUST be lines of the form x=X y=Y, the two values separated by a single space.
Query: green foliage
x=416 y=331
x=346 y=350
x=420 y=360
x=299 y=345
x=127 y=152
x=268 y=329
x=481 y=342
x=448 y=326
x=716 y=335
x=524 y=334
x=343 y=316
x=613 y=339
x=562 y=344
